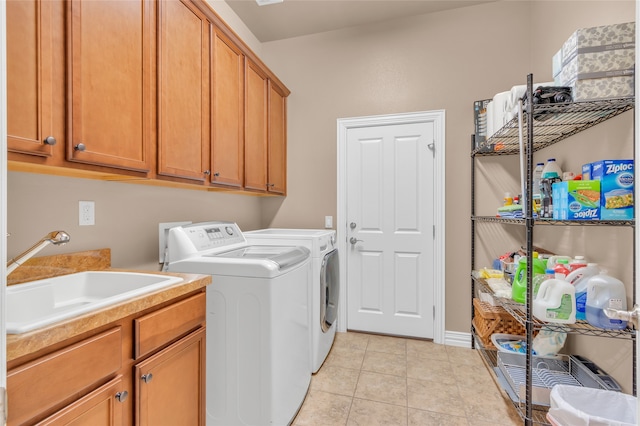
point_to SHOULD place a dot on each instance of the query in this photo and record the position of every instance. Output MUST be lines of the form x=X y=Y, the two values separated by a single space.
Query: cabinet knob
x=147 y=377
x=270 y=185
x=216 y=174
x=80 y=147
x=50 y=140
x=122 y=396
x=207 y=172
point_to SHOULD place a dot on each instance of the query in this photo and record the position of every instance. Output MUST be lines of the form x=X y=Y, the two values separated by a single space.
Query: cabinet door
x=29 y=77
x=102 y=407
x=277 y=159
x=227 y=115
x=171 y=384
x=256 y=123
x=110 y=82
x=183 y=95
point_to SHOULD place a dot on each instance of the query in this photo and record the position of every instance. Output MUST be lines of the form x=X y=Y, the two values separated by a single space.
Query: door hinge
x=434 y=232
x=434 y=311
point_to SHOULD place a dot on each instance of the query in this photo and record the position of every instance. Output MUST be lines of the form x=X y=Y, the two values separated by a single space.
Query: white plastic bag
x=578 y=406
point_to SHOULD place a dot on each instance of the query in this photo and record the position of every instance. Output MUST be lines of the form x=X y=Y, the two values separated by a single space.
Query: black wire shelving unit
x=550 y=124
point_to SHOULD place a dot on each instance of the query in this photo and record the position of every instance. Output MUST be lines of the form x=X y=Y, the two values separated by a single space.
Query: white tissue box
x=599 y=39
x=556 y=63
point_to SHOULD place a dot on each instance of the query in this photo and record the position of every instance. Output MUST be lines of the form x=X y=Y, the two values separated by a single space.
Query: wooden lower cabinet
x=101 y=379
x=102 y=407
x=171 y=384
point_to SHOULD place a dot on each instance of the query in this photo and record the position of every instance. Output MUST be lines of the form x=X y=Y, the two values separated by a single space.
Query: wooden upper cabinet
x=111 y=82
x=227 y=116
x=256 y=130
x=277 y=158
x=183 y=91
x=30 y=77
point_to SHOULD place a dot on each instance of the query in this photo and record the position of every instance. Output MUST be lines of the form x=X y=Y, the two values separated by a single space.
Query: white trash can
x=579 y=406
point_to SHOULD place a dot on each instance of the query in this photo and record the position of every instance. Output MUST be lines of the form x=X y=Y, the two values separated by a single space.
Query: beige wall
x=445 y=61
x=440 y=61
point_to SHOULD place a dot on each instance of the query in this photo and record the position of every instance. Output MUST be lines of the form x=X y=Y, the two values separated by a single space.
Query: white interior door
x=391 y=231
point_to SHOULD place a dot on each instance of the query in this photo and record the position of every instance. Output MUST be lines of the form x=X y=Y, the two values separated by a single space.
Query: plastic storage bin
x=578 y=406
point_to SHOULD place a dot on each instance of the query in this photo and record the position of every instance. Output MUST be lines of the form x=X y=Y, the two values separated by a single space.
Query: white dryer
x=324 y=281
x=257 y=322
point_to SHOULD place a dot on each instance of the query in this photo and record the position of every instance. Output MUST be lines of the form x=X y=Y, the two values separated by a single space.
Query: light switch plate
x=163 y=232
x=328 y=222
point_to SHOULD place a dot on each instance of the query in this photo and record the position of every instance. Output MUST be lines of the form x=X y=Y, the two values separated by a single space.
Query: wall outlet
x=328 y=222
x=87 y=213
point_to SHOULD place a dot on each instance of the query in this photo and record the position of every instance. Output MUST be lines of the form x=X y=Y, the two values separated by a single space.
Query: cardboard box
x=598 y=62
x=616 y=188
x=600 y=88
x=599 y=39
x=576 y=200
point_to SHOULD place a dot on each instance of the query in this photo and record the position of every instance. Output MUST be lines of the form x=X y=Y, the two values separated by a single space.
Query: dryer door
x=329 y=289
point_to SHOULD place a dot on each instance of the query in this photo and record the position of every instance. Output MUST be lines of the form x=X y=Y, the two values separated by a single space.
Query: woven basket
x=490 y=319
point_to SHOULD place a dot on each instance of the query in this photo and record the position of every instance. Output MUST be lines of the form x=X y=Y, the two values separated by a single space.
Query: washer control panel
x=211 y=235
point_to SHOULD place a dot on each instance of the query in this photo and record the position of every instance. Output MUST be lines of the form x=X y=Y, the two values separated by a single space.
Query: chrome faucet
x=57 y=238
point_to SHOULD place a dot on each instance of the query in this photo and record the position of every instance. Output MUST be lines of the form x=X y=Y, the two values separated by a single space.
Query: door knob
x=354 y=240
x=629 y=316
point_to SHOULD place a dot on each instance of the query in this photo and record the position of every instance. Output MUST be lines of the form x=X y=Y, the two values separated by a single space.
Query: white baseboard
x=456 y=338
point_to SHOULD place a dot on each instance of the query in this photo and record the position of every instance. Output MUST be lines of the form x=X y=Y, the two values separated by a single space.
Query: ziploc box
x=576 y=200
x=616 y=188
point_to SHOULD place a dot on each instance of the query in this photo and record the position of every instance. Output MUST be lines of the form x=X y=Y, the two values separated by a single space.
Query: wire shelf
x=522 y=221
x=518 y=312
x=553 y=123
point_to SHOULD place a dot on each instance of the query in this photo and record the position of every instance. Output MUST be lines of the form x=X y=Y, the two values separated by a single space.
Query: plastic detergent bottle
x=537 y=176
x=562 y=269
x=604 y=291
x=553 y=260
x=580 y=280
x=555 y=302
x=540 y=278
x=519 y=284
x=551 y=169
x=577 y=262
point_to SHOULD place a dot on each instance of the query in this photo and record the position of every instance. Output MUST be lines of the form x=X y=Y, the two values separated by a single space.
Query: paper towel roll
x=490 y=129
x=500 y=108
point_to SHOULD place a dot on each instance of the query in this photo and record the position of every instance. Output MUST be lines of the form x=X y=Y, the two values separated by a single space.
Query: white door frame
x=438 y=120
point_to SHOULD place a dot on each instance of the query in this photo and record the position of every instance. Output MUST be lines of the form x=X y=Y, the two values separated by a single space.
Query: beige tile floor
x=373 y=380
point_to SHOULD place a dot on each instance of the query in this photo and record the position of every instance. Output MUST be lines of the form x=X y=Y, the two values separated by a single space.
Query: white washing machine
x=257 y=322
x=324 y=281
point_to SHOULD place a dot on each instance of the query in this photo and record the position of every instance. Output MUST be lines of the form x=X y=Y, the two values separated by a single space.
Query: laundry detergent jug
x=580 y=280
x=604 y=291
x=519 y=284
x=555 y=302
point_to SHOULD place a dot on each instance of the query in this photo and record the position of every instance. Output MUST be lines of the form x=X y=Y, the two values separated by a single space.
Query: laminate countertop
x=19 y=345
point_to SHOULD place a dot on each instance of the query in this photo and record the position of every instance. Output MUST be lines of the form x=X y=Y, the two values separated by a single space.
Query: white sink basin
x=39 y=303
